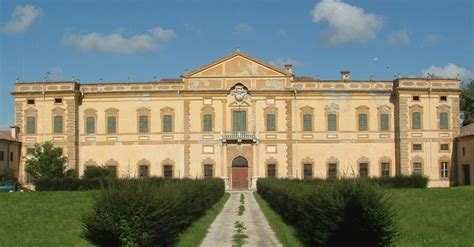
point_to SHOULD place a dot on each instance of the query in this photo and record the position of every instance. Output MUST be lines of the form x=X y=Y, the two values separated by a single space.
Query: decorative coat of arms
x=239 y=93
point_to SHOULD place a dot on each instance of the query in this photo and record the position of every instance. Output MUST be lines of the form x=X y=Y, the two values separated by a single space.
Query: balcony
x=239 y=137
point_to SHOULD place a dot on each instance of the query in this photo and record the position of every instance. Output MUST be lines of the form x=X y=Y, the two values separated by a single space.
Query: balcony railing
x=239 y=136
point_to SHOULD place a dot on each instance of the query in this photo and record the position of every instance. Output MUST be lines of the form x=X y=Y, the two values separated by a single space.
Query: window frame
x=30 y=130
x=168 y=173
x=366 y=173
x=444 y=171
x=58 y=124
x=111 y=113
x=332 y=168
x=305 y=169
x=274 y=170
x=384 y=172
x=206 y=171
x=335 y=118
x=140 y=174
x=417 y=170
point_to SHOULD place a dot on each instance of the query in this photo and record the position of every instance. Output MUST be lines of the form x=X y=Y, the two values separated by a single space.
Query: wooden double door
x=240 y=173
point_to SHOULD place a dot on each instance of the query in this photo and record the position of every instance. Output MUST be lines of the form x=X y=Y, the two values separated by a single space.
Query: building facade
x=240 y=119
x=465 y=155
x=10 y=148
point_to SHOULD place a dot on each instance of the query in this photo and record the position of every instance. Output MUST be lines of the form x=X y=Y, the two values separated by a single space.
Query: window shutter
x=307 y=122
x=90 y=125
x=332 y=122
x=362 y=122
x=271 y=122
x=384 y=122
x=443 y=120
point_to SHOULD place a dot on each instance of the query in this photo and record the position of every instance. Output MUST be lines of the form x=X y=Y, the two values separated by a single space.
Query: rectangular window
x=363 y=122
x=30 y=125
x=332 y=170
x=416 y=120
x=308 y=171
x=30 y=151
x=363 y=170
x=143 y=121
x=143 y=171
x=58 y=100
x=443 y=121
x=443 y=98
x=271 y=122
x=207 y=122
x=112 y=169
x=30 y=102
x=307 y=122
x=11 y=156
x=167 y=171
x=208 y=171
x=271 y=171
x=384 y=122
x=167 y=123
x=90 y=125
x=111 y=125
x=444 y=147
x=332 y=122
x=417 y=147
x=58 y=124
x=239 y=120
x=416 y=98
x=463 y=151
x=444 y=170
x=417 y=168
x=385 y=169
x=2 y=155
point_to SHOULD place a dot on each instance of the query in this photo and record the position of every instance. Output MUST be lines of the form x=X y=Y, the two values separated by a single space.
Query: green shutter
x=443 y=120
x=207 y=122
x=167 y=123
x=416 y=120
x=58 y=124
x=143 y=124
x=30 y=125
x=332 y=122
x=307 y=122
x=240 y=120
x=271 y=122
x=111 y=125
x=363 y=122
x=384 y=122
x=90 y=125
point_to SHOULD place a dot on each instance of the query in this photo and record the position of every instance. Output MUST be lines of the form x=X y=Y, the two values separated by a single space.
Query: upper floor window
x=112 y=125
x=58 y=100
x=307 y=122
x=443 y=98
x=90 y=125
x=30 y=125
x=416 y=98
x=207 y=122
x=2 y=155
x=444 y=147
x=362 y=114
x=271 y=125
x=143 y=124
x=58 y=124
x=30 y=101
x=384 y=122
x=332 y=122
x=443 y=121
x=416 y=120
x=444 y=169
x=167 y=123
x=363 y=126
x=307 y=171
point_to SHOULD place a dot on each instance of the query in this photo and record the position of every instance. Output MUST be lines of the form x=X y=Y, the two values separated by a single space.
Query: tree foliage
x=46 y=161
x=467 y=103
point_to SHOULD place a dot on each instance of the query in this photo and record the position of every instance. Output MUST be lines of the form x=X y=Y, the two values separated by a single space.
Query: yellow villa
x=240 y=119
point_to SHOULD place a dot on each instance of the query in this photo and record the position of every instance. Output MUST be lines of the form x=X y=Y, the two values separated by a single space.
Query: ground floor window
x=167 y=171
x=363 y=170
x=308 y=171
x=385 y=169
x=332 y=170
x=112 y=169
x=143 y=171
x=271 y=171
x=208 y=171
x=417 y=168
x=444 y=170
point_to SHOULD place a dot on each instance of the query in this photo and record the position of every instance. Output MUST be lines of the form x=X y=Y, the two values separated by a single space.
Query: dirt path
x=254 y=228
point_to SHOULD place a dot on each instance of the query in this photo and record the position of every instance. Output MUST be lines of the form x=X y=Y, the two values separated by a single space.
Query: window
x=90 y=125
x=167 y=171
x=385 y=169
x=30 y=125
x=167 y=123
x=2 y=155
x=30 y=102
x=444 y=147
x=417 y=168
x=143 y=171
x=112 y=169
x=363 y=122
x=463 y=151
x=444 y=170
x=111 y=125
x=416 y=120
x=239 y=121
x=332 y=122
x=417 y=147
x=30 y=151
x=271 y=122
x=143 y=124
x=416 y=98
x=363 y=170
x=307 y=122
x=308 y=171
x=208 y=171
x=443 y=121
x=271 y=171
x=58 y=124
x=11 y=156
x=384 y=122
x=207 y=122
x=58 y=100
x=332 y=170
x=443 y=98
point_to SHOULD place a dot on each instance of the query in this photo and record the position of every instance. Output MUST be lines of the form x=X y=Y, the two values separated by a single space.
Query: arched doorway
x=240 y=172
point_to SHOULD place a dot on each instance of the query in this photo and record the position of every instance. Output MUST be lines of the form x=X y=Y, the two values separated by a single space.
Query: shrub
x=148 y=212
x=332 y=212
x=55 y=184
x=98 y=172
x=402 y=181
x=71 y=173
x=7 y=175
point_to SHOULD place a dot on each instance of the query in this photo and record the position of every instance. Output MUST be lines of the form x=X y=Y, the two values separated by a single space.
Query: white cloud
x=401 y=36
x=115 y=42
x=448 y=71
x=56 y=74
x=22 y=19
x=432 y=38
x=347 y=23
x=244 y=27
x=280 y=62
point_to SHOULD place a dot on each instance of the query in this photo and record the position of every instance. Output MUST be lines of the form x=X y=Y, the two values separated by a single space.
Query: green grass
x=285 y=233
x=238 y=239
x=43 y=218
x=194 y=235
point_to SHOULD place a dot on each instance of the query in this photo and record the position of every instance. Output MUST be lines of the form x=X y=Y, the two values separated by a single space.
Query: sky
x=142 y=40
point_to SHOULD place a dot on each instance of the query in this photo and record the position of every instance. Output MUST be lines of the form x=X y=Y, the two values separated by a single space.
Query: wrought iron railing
x=239 y=136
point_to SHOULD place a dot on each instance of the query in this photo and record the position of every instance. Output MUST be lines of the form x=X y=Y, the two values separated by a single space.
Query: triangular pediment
x=237 y=64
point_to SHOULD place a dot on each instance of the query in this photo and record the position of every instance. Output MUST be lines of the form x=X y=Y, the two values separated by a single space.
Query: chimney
x=346 y=75
x=14 y=131
x=289 y=68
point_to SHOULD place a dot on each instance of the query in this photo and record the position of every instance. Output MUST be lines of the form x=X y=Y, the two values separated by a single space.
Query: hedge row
x=402 y=181
x=332 y=212
x=139 y=212
x=54 y=184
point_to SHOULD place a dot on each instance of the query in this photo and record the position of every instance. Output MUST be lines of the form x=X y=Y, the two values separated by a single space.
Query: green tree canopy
x=46 y=162
x=467 y=103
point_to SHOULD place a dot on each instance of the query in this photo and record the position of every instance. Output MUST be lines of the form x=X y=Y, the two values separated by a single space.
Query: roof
x=467 y=130
x=6 y=135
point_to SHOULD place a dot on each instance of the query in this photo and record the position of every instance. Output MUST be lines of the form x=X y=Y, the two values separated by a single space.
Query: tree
x=467 y=103
x=47 y=161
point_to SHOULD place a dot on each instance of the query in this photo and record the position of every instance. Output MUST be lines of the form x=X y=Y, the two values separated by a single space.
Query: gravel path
x=256 y=226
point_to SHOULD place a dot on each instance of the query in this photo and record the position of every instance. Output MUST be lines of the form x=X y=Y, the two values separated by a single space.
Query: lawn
x=425 y=217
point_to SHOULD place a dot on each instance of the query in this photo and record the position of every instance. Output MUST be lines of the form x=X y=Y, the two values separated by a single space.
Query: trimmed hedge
x=138 y=212
x=55 y=184
x=98 y=172
x=402 y=181
x=332 y=212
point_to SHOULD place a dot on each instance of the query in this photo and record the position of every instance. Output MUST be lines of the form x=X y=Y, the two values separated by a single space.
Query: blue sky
x=140 y=40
